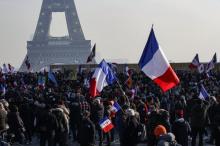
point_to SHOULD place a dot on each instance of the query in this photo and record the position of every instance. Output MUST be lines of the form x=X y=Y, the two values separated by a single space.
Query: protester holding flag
x=97 y=114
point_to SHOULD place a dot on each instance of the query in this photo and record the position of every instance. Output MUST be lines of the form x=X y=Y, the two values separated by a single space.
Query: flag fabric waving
x=113 y=67
x=11 y=69
x=52 y=78
x=201 y=68
x=4 y=69
x=92 y=54
x=41 y=81
x=106 y=124
x=203 y=95
x=27 y=63
x=195 y=62
x=211 y=64
x=103 y=76
x=155 y=65
x=115 y=108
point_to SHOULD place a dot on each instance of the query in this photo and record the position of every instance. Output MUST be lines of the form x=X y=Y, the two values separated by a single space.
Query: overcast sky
x=120 y=28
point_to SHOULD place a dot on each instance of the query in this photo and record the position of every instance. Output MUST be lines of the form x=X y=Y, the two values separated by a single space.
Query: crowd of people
x=65 y=112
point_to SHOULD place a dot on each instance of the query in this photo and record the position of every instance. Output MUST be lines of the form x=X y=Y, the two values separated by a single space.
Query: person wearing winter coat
x=164 y=138
x=167 y=140
x=198 y=120
x=216 y=122
x=26 y=113
x=97 y=113
x=16 y=125
x=181 y=128
x=47 y=125
x=75 y=118
x=61 y=134
x=86 y=135
x=211 y=116
x=130 y=133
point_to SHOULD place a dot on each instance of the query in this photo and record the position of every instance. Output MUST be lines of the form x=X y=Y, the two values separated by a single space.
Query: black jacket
x=216 y=113
x=130 y=136
x=75 y=113
x=87 y=133
x=97 y=112
x=199 y=114
x=47 y=122
x=15 y=122
x=181 y=129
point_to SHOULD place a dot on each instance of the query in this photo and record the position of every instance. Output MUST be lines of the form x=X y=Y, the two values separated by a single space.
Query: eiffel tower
x=45 y=50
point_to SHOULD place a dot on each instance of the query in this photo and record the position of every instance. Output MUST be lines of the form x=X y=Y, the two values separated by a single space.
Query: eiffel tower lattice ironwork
x=45 y=50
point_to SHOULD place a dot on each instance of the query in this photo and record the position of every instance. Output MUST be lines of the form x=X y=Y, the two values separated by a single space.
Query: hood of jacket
x=169 y=137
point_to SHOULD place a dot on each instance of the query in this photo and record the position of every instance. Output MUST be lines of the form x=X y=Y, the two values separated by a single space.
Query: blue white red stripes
x=195 y=62
x=102 y=77
x=106 y=124
x=115 y=108
x=203 y=95
x=155 y=65
x=211 y=64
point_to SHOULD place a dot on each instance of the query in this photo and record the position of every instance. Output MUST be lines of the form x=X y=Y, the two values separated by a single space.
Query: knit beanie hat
x=160 y=130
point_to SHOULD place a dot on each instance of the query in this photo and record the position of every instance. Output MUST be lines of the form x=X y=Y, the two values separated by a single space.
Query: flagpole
x=122 y=91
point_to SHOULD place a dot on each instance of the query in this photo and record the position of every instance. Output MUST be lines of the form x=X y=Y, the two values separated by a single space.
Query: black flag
x=27 y=63
x=92 y=54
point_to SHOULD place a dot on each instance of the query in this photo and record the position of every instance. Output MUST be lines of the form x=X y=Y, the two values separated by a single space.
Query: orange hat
x=160 y=130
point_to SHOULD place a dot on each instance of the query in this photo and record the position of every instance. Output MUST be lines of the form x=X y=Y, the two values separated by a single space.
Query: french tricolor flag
x=195 y=62
x=155 y=65
x=102 y=77
x=115 y=108
x=211 y=64
x=203 y=95
x=106 y=124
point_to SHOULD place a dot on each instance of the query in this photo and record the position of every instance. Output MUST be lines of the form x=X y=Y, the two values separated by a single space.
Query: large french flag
x=102 y=77
x=155 y=65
